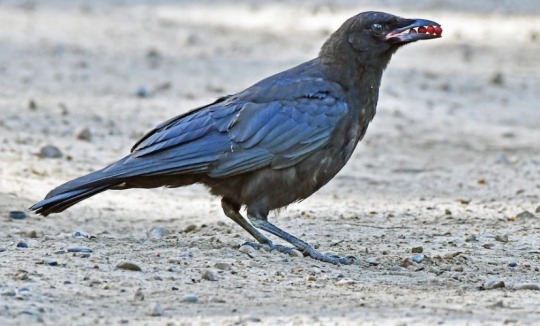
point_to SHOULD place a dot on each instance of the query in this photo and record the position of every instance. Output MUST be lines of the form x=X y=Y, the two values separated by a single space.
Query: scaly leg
x=306 y=248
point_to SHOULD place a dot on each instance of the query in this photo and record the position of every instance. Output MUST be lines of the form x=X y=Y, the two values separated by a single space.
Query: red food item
x=438 y=30
x=430 y=29
x=422 y=30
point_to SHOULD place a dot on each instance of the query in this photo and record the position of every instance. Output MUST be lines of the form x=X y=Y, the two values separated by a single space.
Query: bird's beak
x=414 y=30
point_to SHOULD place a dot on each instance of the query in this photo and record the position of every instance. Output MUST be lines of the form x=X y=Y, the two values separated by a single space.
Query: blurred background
x=454 y=150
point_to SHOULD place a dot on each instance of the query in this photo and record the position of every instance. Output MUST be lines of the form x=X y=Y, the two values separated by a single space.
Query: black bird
x=273 y=144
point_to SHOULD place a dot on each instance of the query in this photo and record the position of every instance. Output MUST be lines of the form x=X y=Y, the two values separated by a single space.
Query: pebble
x=457 y=268
x=296 y=253
x=497 y=79
x=155 y=309
x=471 y=238
x=22 y=244
x=139 y=295
x=527 y=286
x=190 y=298
x=17 y=215
x=81 y=234
x=50 y=151
x=345 y=282
x=157 y=232
x=493 y=284
x=406 y=262
x=83 y=133
x=142 y=92
x=374 y=261
x=512 y=264
x=248 y=250
x=418 y=258
x=129 y=266
x=190 y=228
x=209 y=276
x=502 y=238
x=223 y=266
x=22 y=293
x=49 y=262
x=216 y=300
x=525 y=214
x=311 y=278
x=79 y=249
x=537 y=210
x=34 y=314
x=417 y=250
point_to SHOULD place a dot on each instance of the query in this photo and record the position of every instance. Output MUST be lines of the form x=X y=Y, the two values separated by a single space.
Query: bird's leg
x=232 y=210
x=263 y=224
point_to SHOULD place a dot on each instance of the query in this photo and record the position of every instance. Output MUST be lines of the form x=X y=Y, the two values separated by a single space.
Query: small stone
x=502 y=238
x=512 y=264
x=17 y=215
x=139 y=295
x=525 y=214
x=537 y=210
x=50 y=262
x=345 y=282
x=81 y=234
x=157 y=232
x=497 y=79
x=417 y=250
x=129 y=266
x=32 y=105
x=190 y=228
x=248 y=250
x=190 y=298
x=406 y=262
x=22 y=244
x=487 y=245
x=209 y=275
x=79 y=249
x=457 y=268
x=311 y=278
x=418 y=258
x=296 y=253
x=50 y=151
x=493 y=284
x=33 y=234
x=447 y=212
x=374 y=261
x=142 y=92
x=527 y=286
x=155 y=309
x=471 y=238
x=216 y=300
x=223 y=266
x=83 y=133
x=21 y=275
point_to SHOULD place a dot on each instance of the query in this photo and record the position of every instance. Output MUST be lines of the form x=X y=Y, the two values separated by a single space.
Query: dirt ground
x=449 y=167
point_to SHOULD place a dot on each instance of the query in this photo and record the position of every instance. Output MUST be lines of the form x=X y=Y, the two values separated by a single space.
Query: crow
x=273 y=144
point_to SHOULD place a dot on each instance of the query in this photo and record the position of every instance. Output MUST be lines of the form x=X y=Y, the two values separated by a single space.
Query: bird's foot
x=328 y=258
x=308 y=251
x=270 y=247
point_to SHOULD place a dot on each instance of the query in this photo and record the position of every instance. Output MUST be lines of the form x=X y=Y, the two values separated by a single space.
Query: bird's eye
x=377 y=28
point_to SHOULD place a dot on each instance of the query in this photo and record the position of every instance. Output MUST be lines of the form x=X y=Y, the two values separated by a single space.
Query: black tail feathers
x=59 y=202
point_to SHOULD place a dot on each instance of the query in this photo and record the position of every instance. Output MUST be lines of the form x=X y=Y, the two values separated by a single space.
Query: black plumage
x=275 y=143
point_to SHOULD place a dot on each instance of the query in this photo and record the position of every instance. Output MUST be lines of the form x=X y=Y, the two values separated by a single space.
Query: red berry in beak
x=422 y=30
x=438 y=30
x=430 y=29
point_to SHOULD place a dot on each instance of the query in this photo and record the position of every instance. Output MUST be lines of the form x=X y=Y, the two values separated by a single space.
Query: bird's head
x=377 y=34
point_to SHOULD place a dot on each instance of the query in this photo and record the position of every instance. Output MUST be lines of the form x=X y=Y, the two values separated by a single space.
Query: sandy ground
x=450 y=164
